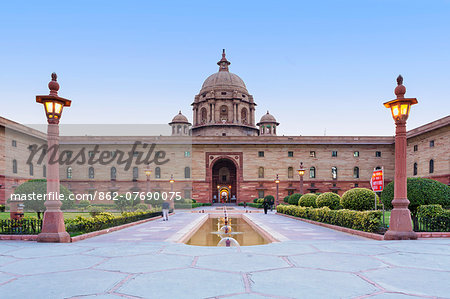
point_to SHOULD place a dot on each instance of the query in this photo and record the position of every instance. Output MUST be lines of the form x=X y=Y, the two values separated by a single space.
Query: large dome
x=223 y=79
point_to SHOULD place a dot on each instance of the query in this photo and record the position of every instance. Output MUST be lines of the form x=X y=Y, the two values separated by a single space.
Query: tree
x=33 y=192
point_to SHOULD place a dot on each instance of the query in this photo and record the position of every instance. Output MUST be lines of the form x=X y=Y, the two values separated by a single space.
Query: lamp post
x=148 y=173
x=277 y=181
x=400 y=227
x=53 y=228
x=301 y=172
x=171 y=181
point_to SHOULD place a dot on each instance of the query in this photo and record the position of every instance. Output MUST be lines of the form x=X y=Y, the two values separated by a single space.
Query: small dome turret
x=268 y=125
x=180 y=125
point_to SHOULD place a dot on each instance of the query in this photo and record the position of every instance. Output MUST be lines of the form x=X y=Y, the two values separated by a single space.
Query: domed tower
x=180 y=125
x=268 y=125
x=223 y=106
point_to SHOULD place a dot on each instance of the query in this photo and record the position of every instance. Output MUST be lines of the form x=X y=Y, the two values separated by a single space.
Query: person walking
x=165 y=210
x=266 y=206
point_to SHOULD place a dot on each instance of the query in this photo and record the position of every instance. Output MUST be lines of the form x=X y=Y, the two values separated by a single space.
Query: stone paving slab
x=140 y=262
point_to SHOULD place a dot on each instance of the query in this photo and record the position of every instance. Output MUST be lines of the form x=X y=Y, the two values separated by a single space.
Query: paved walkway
x=142 y=262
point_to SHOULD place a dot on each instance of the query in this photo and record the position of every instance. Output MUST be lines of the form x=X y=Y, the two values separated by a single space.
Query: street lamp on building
x=53 y=228
x=301 y=172
x=148 y=173
x=277 y=181
x=400 y=227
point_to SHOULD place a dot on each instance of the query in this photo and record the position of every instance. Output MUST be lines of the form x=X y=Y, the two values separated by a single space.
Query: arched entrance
x=224 y=181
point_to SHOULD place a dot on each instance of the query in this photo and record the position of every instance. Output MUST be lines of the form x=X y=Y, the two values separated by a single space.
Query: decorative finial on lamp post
x=400 y=90
x=54 y=85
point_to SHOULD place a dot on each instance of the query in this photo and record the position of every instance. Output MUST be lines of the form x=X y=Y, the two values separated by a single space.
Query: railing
x=20 y=227
x=435 y=224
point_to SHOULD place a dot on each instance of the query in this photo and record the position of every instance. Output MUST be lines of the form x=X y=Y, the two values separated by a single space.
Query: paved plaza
x=144 y=262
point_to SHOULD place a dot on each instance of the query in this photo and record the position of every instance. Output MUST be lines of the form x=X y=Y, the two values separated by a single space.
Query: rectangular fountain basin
x=205 y=233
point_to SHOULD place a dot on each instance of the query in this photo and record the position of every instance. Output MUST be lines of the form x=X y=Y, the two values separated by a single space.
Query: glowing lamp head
x=277 y=180
x=53 y=104
x=401 y=106
x=171 y=179
x=148 y=172
x=301 y=170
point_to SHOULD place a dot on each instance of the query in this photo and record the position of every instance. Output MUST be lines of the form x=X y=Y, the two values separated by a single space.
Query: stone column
x=400 y=227
x=53 y=228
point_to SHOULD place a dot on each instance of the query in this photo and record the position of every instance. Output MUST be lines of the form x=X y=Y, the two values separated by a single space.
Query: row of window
x=430 y=167
x=312 y=154
x=30 y=168
x=113 y=173
x=416 y=147
x=313 y=172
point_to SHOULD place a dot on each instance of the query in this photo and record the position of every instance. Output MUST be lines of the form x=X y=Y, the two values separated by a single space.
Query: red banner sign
x=377 y=180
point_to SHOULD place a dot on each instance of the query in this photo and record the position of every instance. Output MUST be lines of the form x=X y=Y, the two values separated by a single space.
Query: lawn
x=67 y=215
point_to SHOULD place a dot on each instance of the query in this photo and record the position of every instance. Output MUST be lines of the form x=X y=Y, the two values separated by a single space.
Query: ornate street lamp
x=148 y=173
x=400 y=227
x=277 y=181
x=301 y=172
x=53 y=228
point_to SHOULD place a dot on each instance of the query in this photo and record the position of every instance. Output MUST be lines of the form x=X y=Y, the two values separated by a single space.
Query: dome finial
x=400 y=90
x=223 y=63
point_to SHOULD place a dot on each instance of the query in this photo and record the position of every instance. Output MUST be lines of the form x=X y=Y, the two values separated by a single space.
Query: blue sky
x=315 y=65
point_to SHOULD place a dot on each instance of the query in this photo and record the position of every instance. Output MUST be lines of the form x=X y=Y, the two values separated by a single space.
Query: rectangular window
x=290 y=154
x=416 y=147
x=356 y=185
x=312 y=154
x=14 y=143
x=378 y=154
x=260 y=154
x=432 y=143
x=135 y=154
x=334 y=153
x=356 y=154
x=187 y=154
x=260 y=193
x=91 y=153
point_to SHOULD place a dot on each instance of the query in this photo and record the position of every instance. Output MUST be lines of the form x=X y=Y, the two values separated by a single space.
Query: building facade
x=225 y=154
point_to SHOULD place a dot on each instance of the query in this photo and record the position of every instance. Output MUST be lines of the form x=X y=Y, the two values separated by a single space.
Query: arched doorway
x=224 y=181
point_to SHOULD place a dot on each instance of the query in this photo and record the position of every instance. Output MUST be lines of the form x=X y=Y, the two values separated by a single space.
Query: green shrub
x=255 y=205
x=433 y=218
x=329 y=199
x=2 y=208
x=255 y=200
x=421 y=191
x=293 y=199
x=270 y=199
x=141 y=206
x=369 y=221
x=359 y=199
x=286 y=198
x=260 y=200
x=308 y=200
x=83 y=204
x=193 y=200
x=94 y=211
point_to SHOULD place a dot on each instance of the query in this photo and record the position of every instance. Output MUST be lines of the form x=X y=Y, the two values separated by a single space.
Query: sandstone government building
x=226 y=150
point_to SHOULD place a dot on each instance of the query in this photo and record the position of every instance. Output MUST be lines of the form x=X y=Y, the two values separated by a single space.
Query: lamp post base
x=400 y=227
x=53 y=228
x=395 y=235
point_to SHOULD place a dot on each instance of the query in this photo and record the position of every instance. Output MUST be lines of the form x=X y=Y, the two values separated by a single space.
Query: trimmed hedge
x=421 y=191
x=329 y=199
x=433 y=218
x=80 y=224
x=359 y=199
x=368 y=221
x=308 y=200
x=286 y=198
x=293 y=199
x=270 y=199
